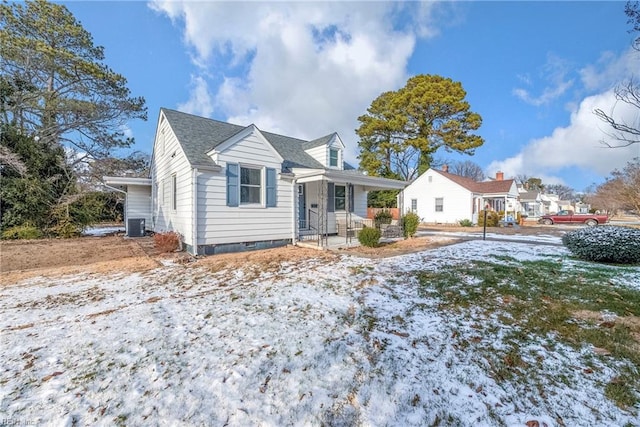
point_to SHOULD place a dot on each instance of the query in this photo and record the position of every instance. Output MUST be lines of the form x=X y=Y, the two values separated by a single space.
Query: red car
x=568 y=217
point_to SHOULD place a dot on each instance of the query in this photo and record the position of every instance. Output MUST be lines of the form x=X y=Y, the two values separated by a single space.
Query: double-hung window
x=250 y=185
x=414 y=205
x=439 y=204
x=174 y=192
x=333 y=157
x=340 y=197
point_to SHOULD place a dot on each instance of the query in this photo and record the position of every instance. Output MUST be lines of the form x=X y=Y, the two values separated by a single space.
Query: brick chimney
x=499 y=176
x=445 y=168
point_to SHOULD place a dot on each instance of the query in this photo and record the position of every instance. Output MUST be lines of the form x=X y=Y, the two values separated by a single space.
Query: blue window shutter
x=232 y=184
x=271 y=187
x=351 y=199
x=331 y=197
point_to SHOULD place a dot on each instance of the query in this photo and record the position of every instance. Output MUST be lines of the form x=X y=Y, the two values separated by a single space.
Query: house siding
x=320 y=153
x=167 y=162
x=220 y=224
x=139 y=203
x=457 y=201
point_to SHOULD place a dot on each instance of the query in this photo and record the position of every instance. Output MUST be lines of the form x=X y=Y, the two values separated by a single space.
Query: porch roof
x=126 y=180
x=348 y=176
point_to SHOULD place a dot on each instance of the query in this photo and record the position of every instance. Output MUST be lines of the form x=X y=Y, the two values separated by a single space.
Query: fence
x=371 y=212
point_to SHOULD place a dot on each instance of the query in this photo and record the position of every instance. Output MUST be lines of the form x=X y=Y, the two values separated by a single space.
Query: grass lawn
x=477 y=333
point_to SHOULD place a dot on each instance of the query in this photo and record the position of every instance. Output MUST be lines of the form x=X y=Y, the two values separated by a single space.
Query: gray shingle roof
x=318 y=142
x=199 y=135
x=529 y=195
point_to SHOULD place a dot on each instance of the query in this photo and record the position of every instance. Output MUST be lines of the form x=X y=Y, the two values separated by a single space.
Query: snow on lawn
x=346 y=342
x=540 y=238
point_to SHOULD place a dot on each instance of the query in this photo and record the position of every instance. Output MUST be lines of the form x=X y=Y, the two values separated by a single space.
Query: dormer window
x=333 y=157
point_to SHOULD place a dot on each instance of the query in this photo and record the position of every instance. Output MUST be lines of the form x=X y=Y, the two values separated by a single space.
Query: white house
x=225 y=187
x=440 y=197
x=531 y=203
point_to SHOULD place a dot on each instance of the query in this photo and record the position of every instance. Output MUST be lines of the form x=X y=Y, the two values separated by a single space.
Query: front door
x=302 y=207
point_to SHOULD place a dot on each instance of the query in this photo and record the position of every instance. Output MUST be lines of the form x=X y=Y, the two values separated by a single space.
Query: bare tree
x=623 y=133
x=562 y=191
x=620 y=191
x=605 y=198
x=10 y=159
x=468 y=169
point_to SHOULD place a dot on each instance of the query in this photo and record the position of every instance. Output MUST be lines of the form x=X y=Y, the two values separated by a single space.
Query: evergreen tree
x=402 y=130
x=55 y=84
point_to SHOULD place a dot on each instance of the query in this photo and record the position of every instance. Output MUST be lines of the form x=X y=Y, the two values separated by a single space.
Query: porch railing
x=310 y=230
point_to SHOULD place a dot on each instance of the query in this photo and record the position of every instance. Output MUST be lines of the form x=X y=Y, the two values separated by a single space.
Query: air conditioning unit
x=135 y=227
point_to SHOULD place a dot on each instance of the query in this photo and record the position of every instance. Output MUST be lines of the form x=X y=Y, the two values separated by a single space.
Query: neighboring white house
x=531 y=203
x=225 y=187
x=440 y=197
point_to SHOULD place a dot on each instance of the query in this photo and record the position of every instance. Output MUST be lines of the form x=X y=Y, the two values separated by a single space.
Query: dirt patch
x=267 y=259
x=21 y=260
x=401 y=247
x=608 y=321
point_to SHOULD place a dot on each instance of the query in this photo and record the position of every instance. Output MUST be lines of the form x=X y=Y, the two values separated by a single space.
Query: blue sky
x=533 y=70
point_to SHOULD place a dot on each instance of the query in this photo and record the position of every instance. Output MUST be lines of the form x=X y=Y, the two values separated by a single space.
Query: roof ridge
x=243 y=126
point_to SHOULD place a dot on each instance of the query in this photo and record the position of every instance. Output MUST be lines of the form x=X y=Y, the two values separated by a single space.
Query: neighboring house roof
x=199 y=135
x=529 y=195
x=496 y=186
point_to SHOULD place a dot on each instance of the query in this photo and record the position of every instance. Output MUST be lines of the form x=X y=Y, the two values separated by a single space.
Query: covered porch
x=330 y=206
x=495 y=202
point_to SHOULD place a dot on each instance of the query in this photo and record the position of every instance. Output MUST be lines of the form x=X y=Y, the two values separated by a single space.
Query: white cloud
x=126 y=130
x=304 y=68
x=554 y=73
x=610 y=70
x=577 y=145
x=200 y=102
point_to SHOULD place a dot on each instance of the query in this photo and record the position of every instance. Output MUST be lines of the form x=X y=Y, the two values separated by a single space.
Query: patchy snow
x=348 y=342
x=102 y=231
x=525 y=238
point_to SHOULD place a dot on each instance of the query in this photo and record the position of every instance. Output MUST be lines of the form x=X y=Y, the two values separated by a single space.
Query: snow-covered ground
x=103 y=231
x=345 y=342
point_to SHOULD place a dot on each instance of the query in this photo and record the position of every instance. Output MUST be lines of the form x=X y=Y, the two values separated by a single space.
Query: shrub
x=606 y=243
x=65 y=229
x=21 y=232
x=369 y=237
x=167 y=242
x=410 y=223
x=466 y=223
x=493 y=218
x=383 y=217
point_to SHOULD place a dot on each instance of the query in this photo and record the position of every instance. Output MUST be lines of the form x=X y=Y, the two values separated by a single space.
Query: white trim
x=123 y=180
x=334 y=175
x=336 y=137
x=194 y=182
x=263 y=186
